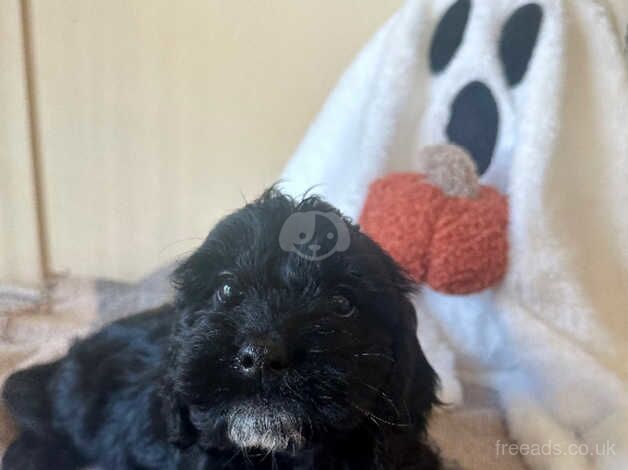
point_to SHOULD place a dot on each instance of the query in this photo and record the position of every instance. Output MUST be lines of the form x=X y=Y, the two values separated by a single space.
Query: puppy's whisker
x=243 y=196
x=235 y=454
x=344 y=347
x=317 y=327
x=269 y=453
x=182 y=255
x=376 y=419
x=320 y=351
x=246 y=456
x=289 y=387
x=375 y=355
x=405 y=407
x=322 y=331
x=182 y=240
x=381 y=394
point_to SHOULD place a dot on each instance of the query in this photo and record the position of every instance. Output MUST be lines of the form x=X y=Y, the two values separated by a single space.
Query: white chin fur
x=264 y=428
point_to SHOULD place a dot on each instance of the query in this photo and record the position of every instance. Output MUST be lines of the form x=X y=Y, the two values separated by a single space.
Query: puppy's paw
x=441 y=357
x=450 y=391
x=30 y=452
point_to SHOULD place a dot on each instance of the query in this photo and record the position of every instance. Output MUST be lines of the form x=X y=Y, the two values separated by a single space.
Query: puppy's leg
x=25 y=396
x=37 y=447
x=32 y=452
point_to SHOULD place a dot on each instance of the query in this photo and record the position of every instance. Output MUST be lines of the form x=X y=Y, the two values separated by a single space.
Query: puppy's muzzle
x=269 y=428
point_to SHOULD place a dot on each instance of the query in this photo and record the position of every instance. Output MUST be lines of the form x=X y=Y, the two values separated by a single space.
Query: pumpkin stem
x=451 y=169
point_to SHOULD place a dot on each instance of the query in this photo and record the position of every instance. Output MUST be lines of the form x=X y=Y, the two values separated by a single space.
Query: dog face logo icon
x=314 y=235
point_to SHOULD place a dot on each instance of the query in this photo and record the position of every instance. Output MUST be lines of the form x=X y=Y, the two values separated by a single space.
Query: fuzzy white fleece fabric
x=552 y=339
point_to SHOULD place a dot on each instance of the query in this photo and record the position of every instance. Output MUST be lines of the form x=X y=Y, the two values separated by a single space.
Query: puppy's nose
x=265 y=356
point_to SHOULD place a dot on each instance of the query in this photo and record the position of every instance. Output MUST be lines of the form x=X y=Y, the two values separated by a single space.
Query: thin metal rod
x=35 y=142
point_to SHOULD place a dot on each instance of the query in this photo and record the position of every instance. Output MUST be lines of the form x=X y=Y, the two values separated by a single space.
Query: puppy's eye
x=342 y=306
x=228 y=293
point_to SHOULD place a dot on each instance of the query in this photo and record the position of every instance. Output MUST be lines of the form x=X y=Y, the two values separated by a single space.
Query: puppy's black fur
x=265 y=360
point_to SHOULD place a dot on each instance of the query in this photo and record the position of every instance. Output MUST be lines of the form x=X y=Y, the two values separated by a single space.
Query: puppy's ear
x=179 y=430
x=413 y=382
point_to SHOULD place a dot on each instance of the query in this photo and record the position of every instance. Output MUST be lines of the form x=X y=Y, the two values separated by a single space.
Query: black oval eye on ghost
x=518 y=40
x=228 y=292
x=449 y=34
x=342 y=306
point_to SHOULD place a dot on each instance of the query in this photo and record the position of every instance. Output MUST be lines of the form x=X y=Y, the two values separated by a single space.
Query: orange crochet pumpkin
x=441 y=226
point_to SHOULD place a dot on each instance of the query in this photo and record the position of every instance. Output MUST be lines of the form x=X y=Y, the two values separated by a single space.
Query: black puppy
x=291 y=344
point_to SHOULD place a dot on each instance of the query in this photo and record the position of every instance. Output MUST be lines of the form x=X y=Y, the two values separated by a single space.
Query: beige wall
x=18 y=241
x=158 y=117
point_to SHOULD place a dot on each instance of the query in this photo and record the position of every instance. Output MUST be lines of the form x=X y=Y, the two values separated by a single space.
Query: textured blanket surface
x=31 y=332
